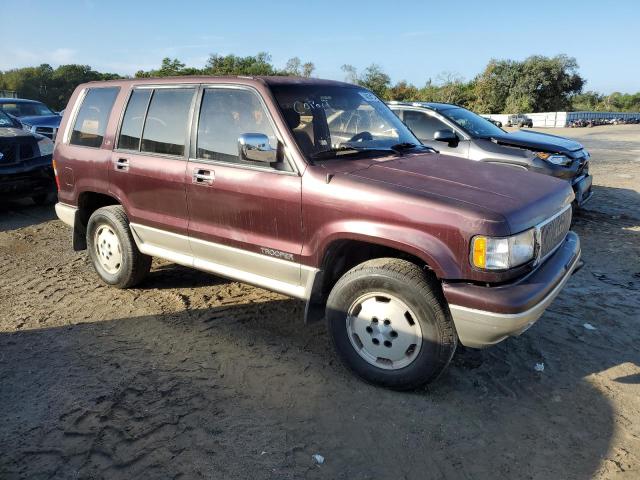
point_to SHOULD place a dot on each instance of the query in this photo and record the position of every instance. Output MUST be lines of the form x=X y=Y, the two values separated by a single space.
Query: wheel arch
x=342 y=253
x=88 y=202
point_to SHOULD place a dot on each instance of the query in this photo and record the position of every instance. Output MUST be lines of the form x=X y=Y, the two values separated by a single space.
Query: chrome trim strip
x=551 y=218
x=288 y=278
x=66 y=213
x=72 y=117
x=481 y=328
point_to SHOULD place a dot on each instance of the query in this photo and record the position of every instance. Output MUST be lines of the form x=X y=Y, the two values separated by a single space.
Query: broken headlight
x=555 y=158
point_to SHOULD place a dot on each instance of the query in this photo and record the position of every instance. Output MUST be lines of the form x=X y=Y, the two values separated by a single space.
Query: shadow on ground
x=23 y=213
x=240 y=391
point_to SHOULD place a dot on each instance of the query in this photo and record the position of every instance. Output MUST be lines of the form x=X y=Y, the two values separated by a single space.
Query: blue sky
x=413 y=41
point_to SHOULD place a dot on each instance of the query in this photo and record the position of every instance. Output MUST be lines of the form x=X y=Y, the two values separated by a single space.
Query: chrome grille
x=47 y=131
x=551 y=233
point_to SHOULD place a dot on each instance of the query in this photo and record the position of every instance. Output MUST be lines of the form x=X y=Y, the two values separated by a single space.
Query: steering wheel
x=361 y=137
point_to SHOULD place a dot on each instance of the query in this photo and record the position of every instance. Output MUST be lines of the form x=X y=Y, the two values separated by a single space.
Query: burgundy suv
x=314 y=189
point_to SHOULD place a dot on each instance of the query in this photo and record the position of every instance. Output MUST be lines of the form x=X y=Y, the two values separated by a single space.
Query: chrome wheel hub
x=384 y=331
x=107 y=247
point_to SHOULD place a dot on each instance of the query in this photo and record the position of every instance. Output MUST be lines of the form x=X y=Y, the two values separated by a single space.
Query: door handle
x=122 y=164
x=203 y=177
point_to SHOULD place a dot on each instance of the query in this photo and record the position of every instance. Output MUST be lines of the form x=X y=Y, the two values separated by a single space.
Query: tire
x=112 y=250
x=357 y=313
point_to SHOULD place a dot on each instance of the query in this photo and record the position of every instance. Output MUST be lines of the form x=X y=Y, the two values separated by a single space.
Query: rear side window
x=165 y=128
x=133 y=121
x=91 y=122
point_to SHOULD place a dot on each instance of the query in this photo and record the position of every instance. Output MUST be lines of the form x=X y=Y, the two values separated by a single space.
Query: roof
x=431 y=105
x=242 y=79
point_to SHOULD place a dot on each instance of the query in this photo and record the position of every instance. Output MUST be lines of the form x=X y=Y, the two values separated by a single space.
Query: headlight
x=556 y=159
x=502 y=253
x=46 y=146
x=26 y=126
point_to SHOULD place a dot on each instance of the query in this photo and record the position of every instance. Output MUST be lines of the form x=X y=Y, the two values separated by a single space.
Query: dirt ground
x=193 y=376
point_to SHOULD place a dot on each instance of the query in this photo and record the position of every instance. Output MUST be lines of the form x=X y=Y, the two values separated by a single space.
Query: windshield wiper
x=404 y=146
x=348 y=150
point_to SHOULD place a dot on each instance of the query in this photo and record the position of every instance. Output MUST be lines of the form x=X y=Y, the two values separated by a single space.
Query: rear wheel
x=390 y=324
x=112 y=250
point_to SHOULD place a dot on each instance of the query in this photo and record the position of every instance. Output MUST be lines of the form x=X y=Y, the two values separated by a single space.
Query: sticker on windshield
x=369 y=97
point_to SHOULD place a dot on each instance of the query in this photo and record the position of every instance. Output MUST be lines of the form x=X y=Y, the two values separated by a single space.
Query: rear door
x=424 y=125
x=245 y=218
x=149 y=163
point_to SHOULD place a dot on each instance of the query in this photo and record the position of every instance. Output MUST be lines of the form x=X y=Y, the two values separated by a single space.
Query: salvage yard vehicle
x=519 y=120
x=34 y=116
x=316 y=190
x=456 y=131
x=25 y=163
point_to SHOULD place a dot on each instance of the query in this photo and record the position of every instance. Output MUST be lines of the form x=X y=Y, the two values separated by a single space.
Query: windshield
x=472 y=123
x=26 y=109
x=5 y=120
x=335 y=119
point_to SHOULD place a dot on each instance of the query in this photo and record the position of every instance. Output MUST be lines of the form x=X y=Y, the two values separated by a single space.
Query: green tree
x=375 y=80
x=404 y=92
x=536 y=84
x=259 y=64
x=49 y=85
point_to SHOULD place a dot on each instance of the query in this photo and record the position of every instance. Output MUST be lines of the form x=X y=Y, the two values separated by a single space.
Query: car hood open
x=538 y=141
x=523 y=198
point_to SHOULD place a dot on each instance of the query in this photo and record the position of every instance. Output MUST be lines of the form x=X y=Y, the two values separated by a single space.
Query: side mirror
x=255 y=147
x=446 y=136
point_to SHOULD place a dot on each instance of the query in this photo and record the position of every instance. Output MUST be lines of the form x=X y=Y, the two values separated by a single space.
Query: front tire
x=390 y=324
x=112 y=250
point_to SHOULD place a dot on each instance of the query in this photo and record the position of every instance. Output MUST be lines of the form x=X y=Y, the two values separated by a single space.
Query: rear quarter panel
x=82 y=169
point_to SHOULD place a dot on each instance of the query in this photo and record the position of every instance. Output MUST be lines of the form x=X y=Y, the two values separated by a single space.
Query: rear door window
x=92 y=118
x=424 y=126
x=165 y=128
x=133 y=121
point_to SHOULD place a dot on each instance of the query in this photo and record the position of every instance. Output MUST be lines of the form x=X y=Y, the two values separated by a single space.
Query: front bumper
x=582 y=189
x=28 y=178
x=484 y=316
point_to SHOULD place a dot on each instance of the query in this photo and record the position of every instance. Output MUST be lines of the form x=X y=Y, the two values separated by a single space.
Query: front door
x=245 y=218
x=425 y=125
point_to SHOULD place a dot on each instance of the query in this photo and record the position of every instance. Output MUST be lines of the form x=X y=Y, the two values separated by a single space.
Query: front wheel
x=390 y=324
x=112 y=250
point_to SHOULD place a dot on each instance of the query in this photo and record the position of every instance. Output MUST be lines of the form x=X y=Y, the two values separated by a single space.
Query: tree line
x=535 y=84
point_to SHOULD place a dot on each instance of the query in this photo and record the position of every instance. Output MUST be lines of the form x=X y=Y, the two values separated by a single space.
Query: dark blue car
x=34 y=116
x=26 y=170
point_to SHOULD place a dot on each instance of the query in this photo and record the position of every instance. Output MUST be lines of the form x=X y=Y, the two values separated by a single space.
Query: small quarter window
x=91 y=122
x=133 y=120
x=165 y=128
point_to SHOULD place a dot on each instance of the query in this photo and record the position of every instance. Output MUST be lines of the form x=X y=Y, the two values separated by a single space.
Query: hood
x=538 y=141
x=522 y=198
x=42 y=120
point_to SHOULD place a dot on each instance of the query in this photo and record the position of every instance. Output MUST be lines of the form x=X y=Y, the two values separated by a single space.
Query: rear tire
x=112 y=250
x=390 y=324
